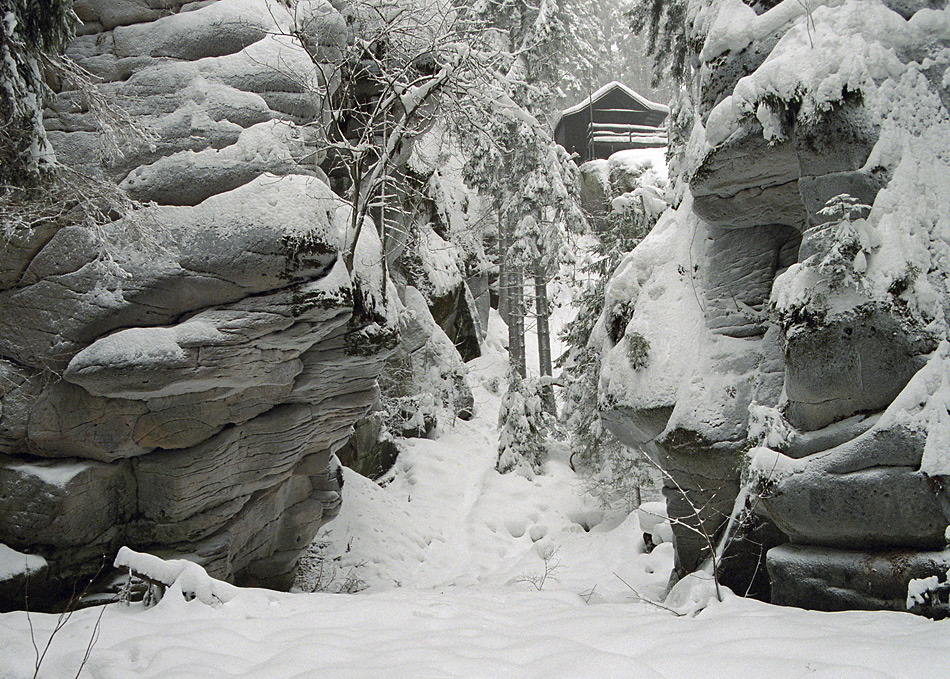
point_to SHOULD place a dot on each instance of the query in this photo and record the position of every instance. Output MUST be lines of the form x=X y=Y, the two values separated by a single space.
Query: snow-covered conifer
x=29 y=32
x=522 y=428
x=634 y=213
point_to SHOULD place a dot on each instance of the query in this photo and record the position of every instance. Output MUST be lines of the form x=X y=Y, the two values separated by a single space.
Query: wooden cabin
x=614 y=118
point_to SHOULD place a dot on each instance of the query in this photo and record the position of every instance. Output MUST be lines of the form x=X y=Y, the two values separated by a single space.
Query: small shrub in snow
x=842 y=259
x=844 y=207
x=905 y=281
x=618 y=474
x=523 y=426
x=416 y=390
x=552 y=565
x=407 y=410
x=835 y=260
x=638 y=350
x=320 y=571
x=761 y=461
x=768 y=428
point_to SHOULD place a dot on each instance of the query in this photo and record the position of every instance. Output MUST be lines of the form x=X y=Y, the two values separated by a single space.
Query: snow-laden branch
x=193 y=580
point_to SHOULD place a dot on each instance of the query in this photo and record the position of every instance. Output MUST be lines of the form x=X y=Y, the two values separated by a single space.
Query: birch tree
x=386 y=70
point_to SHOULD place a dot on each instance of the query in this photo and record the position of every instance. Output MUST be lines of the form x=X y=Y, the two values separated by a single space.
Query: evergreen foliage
x=670 y=39
x=30 y=30
x=416 y=390
x=615 y=468
x=530 y=33
x=675 y=32
x=523 y=427
x=602 y=49
x=513 y=158
x=590 y=443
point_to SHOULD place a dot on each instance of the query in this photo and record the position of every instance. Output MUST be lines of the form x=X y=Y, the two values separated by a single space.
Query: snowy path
x=445 y=516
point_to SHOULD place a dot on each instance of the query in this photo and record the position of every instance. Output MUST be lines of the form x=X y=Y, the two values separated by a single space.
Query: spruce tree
x=30 y=31
x=615 y=470
x=671 y=42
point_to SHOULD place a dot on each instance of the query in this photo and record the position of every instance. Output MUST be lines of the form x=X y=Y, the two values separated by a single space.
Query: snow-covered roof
x=609 y=87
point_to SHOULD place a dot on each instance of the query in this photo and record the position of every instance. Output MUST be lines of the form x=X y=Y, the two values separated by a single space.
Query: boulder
x=480 y=287
x=217 y=29
x=188 y=177
x=111 y=13
x=719 y=75
x=826 y=579
x=709 y=356
x=67 y=421
x=68 y=297
x=854 y=362
x=423 y=378
x=867 y=491
x=841 y=140
x=749 y=181
x=433 y=359
x=594 y=184
x=456 y=314
x=186 y=91
x=21 y=245
x=20 y=388
x=371 y=451
x=63 y=503
x=254 y=343
x=743 y=264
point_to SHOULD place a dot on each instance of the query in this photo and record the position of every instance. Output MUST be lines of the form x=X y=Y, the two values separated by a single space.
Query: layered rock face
x=802 y=280
x=180 y=379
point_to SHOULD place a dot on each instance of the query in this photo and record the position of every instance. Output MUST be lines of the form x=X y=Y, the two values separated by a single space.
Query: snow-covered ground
x=488 y=632
x=451 y=555
x=445 y=517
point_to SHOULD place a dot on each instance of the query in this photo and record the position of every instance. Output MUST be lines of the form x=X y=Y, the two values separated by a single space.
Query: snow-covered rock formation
x=181 y=378
x=805 y=271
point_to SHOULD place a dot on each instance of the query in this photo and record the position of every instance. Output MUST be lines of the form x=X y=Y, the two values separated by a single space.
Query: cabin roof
x=612 y=118
x=604 y=91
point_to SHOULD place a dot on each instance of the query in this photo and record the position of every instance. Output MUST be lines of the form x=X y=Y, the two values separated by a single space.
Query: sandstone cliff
x=796 y=299
x=180 y=379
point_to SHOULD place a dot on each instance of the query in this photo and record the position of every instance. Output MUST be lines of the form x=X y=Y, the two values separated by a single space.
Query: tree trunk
x=543 y=313
x=504 y=241
x=516 y=351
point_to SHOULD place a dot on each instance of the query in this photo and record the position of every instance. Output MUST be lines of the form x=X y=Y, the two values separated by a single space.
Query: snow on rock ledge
x=181 y=379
